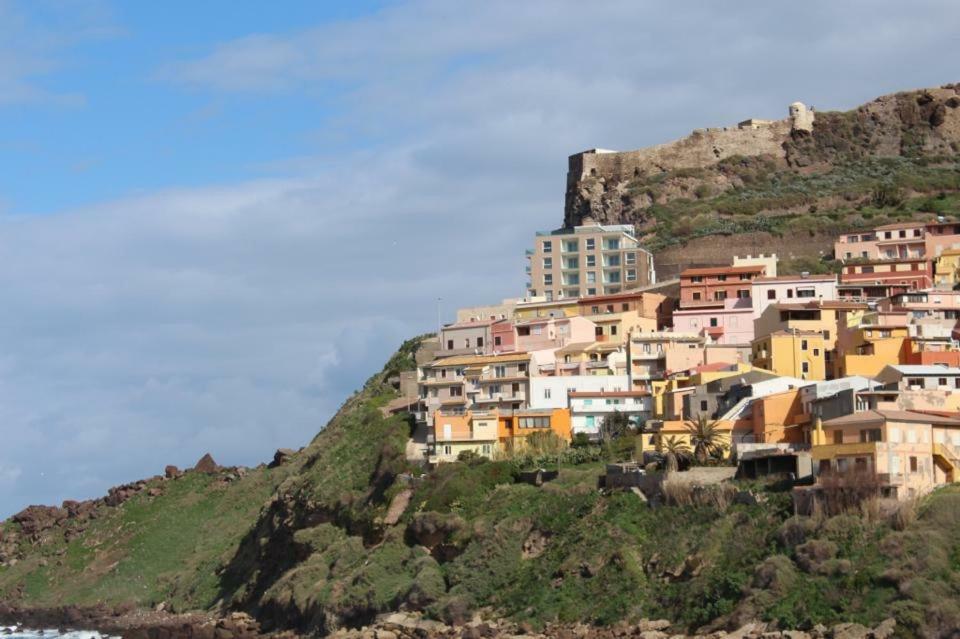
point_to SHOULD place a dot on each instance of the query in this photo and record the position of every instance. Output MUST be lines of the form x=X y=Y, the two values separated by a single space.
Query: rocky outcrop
x=613 y=187
x=206 y=465
x=413 y=626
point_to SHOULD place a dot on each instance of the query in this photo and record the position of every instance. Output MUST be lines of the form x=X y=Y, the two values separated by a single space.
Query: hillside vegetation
x=303 y=546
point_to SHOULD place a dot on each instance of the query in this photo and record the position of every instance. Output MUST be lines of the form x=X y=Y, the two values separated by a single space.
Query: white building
x=588 y=409
x=791 y=289
x=551 y=392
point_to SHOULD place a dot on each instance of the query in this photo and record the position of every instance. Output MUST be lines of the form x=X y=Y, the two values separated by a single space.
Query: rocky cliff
x=812 y=171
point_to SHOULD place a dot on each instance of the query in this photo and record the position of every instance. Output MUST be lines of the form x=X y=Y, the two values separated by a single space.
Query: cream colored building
x=588 y=260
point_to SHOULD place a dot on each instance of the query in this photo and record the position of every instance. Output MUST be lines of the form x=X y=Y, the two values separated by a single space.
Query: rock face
x=612 y=187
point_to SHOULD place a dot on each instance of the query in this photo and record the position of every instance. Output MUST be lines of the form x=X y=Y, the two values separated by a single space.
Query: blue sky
x=218 y=218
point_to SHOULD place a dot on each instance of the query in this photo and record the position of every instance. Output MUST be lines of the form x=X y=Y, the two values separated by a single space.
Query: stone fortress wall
x=703 y=147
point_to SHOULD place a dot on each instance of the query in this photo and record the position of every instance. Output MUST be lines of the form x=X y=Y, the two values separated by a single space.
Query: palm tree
x=674 y=450
x=705 y=438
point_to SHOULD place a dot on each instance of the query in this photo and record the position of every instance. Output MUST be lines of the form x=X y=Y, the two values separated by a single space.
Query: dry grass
x=718 y=496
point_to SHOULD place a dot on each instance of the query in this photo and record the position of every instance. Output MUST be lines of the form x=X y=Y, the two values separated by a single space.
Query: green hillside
x=303 y=545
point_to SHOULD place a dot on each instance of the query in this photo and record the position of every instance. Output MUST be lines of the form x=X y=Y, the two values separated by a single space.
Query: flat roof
x=602 y=393
x=924 y=369
x=797 y=278
x=723 y=270
x=880 y=416
x=900 y=225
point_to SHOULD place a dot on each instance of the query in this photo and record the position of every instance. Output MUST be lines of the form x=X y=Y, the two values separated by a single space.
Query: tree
x=615 y=425
x=705 y=438
x=674 y=451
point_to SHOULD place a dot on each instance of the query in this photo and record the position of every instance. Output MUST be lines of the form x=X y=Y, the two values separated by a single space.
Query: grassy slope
x=315 y=556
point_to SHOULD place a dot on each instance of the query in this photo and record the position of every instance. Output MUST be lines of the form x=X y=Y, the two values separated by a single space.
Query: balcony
x=598 y=364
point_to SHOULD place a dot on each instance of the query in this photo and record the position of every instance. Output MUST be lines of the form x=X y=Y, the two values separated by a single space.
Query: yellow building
x=826 y=317
x=871 y=348
x=679 y=430
x=795 y=353
x=454 y=433
x=544 y=308
x=946 y=273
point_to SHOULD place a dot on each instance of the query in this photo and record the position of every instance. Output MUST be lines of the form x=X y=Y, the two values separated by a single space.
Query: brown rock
x=282 y=456
x=206 y=465
x=171 y=472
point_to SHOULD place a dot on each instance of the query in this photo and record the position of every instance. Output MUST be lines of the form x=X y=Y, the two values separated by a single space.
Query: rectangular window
x=630 y=258
x=591 y=277
x=870 y=435
x=771 y=294
x=571 y=263
x=703 y=405
x=548 y=279
x=838 y=437
x=500 y=371
x=805 y=292
x=570 y=246
x=631 y=275
x=743 y=294
x=714 y=322
x=449 y=344
x=721 y=278
x=696 y=296
x=803 y=345
x=479 y=342
x=913 y=465
x=591 y=243
x=719 y=295
x=805 y=367
x=456 y=391
x=591 y=260
x=548 y=246
x=548 y=262
x=546 y=393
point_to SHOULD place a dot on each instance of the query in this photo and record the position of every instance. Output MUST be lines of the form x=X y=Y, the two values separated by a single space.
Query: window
x=611 y=260
x=805 y=292
x=466 y=343
x=631 y=275
x=447 y=450
x=867 y=269
x=479 y=342
x=456 y=391
x=772 y=294
x=591 y=277
x=534 y=422
x=449 y=344
x=913 y=465
x=719 y=295
x=500 y=371
x=624 y=307
x=590 y=421
x=714 y=322
x=486 y=449
x=548 y=279
x=805 y=367
x=803 y=345
x=613 y=329
x=744 y=277
x=591 y=291
x=838 y=437
x=496 y=341
x=630 y=258
x=816 y=352
x=696 y=278
x=870 y=435
x=721 y=278
x=942 y=381
x=546 y=393
x=571 y=263
x=591 y=243
x=548 y=246
x=570 y=246
x=696 y=296
x=595 y=310
x=591 y=260
x=743 y=294
x=789 y=292
x=703 y=405
x=515 y=388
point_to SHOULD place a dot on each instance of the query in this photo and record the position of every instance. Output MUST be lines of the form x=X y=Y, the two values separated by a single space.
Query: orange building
x=514 y=426
x=779 y=418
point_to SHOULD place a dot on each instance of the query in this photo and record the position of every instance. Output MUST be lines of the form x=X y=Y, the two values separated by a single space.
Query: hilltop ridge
x=811 y=174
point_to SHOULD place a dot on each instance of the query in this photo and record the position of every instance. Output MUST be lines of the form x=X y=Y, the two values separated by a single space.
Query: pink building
x=899 y=241
x=731 y=323
x=541 y=333
x=941 y=236
x=471 y=337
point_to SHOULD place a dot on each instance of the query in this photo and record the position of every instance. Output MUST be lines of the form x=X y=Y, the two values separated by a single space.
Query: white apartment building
x=588 y=260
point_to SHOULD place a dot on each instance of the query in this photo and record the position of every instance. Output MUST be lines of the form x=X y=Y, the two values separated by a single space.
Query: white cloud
x=234 y=318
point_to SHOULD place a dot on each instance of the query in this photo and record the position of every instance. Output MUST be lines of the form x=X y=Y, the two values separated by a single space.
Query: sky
x=218 y=219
